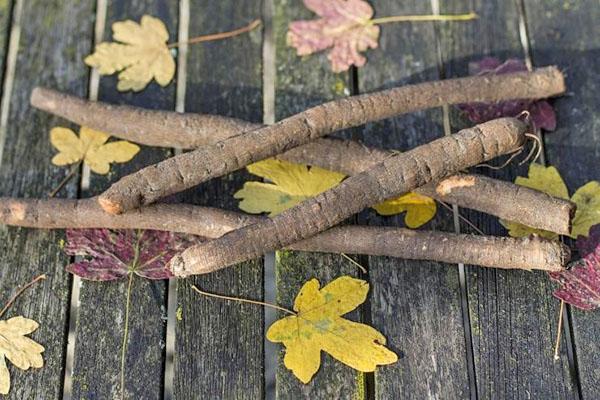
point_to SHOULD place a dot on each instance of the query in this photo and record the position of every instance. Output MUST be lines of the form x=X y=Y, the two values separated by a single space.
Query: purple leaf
x=541 y=112
x=110 y=255
x=580 y=284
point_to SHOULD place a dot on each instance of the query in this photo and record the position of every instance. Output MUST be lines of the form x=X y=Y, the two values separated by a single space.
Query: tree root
x=487 y=251
x=180 y=130
x=395 y=175
x=189 y=169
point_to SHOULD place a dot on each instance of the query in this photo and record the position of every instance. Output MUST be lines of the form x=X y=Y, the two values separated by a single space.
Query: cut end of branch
x=111 y=207
x=43 y=99
x=446 y=186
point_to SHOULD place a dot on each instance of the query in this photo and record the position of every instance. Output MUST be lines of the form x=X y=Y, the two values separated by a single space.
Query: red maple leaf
x=541 y=112
x=344 y=26
x=580 y=284
x=113 y=254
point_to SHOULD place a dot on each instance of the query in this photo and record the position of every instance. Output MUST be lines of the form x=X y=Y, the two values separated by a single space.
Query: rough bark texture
x=191 y=130
x=184 y=171
x=502 y=199
x=488 y=251
x=395 y=175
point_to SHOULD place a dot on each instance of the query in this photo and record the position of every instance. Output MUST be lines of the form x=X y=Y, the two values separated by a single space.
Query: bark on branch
x=487 y=251
x=186 y=130
x=186 y=170
x=398 y=174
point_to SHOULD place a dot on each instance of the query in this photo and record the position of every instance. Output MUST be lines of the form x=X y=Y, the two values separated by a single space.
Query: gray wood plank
x=50 y=52
x=301 y=83
x=567 y=33
x=219 y=344
x=513 y=316
x=99 y=332
x=415 y=304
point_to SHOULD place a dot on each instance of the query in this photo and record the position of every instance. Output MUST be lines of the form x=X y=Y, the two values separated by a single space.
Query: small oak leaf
x=21 y=351
x=548 y=180
x=541 y=112
x=580 y=284
x=318 y=326
x=141 y=55
x=294 y=183
x=91 y=147
x=111 y=255
x=345 y=27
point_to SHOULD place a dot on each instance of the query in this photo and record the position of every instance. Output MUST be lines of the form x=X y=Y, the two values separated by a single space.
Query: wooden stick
x=168 y=129
x=488 y=251
x=190 y=169
x=394 y=176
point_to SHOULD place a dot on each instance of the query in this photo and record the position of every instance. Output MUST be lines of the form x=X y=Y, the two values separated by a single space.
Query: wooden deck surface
x=461 y=331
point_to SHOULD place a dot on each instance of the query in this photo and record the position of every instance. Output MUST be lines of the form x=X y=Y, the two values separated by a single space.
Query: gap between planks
x=180 y=93
x=464 y=301
x=567 y=324
x=84 y=184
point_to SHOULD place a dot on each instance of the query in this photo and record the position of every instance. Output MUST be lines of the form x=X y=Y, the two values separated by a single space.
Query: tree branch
x=181 y=130
x=189 y=169
x=487 y=251
x=395 y=175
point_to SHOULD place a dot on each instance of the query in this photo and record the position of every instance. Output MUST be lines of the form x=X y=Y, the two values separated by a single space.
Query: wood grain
x=99 y=334
x=567 y=33
x=415 y=304
x=50 y=52
x=219 y=344
x=302 y=82
x=513 y=316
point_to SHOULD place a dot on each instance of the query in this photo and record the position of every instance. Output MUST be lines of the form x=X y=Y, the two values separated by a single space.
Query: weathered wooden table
x=461 y=331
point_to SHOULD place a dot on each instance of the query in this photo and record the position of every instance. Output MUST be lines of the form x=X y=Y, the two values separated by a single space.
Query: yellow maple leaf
x=20 y=350
x=91 y=148
x=419 y=209
x=141 y=56
x=318 y=325
x=548 y=180
x=294 y=183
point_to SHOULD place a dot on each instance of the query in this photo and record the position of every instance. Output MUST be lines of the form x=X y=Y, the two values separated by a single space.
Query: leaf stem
x=424 y=18
x=125 y=334
x=347 y=257
x=67 y=178
x=558 y=330
x=20 y=292
x=260 y=303
x=464 y=219
x=221 y=35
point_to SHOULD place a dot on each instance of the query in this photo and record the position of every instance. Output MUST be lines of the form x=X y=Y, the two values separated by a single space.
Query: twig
x=189 y=169
x=20 y=292
x=392 y=177
x=218 y=36
x=241 y=300
x=488 y=251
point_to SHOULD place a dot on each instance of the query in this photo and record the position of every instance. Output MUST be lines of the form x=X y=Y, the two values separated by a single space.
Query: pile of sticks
x=221 y=145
